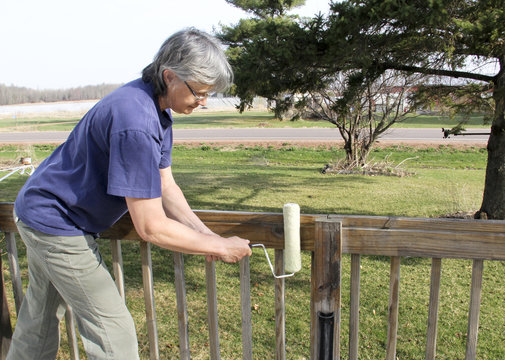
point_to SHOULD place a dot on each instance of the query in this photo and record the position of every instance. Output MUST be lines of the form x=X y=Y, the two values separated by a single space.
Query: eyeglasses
x=197 y=98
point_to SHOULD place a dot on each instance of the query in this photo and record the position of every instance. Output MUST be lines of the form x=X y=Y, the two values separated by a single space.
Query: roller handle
x=270 y=263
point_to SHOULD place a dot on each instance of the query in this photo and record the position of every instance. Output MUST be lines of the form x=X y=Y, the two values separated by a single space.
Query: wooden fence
x=327 y=238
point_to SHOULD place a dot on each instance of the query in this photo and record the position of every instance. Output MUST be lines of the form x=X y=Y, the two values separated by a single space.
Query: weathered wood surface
x=5 y=320
x=394 y=302
x=17 y=284
x=71 y=333
x=6 y=218
x=425 y=243
x=365 y=235
x=325 y=286
x=473 y=314
x=245 y=305
x=431 y=334
x=354 y=307
x=359 y=235
x=212 y=315
x=148 y=282
x=117 y=266
x=182 y=306
x=280 y=308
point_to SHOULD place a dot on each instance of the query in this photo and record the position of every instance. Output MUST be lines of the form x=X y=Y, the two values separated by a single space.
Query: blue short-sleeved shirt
x=114 y=152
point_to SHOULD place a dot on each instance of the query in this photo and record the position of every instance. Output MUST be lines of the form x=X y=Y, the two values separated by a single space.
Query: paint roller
x=292 y=255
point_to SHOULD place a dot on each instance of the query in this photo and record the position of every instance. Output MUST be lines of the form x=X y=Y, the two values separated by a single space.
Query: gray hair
x=192 y=55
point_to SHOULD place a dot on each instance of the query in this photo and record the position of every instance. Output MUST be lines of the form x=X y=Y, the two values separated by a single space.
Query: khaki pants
x=70 y=269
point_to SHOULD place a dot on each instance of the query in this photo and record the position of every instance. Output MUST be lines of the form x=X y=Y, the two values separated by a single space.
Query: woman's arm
x=170 y=223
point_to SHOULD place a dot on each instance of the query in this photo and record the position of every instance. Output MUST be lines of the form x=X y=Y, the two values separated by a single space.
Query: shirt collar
x=166 y=118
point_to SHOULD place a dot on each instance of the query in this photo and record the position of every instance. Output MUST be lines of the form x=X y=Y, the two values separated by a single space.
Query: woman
x=117 y=159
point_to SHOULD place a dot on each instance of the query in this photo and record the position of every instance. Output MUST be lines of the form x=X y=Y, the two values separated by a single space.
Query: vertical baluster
x=394 y=299
x=182 y=308
x=5 y=318
x=280 y=308
x=431 y=336
x=117 y=266
x=473 y=315
x=17 y=284
x=245 y=296
x=71 y=333
x=210 y=276
x=147 y=280
x=354 y=307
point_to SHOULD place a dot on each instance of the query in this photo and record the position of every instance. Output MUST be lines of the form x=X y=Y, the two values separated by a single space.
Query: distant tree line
x=20 y=95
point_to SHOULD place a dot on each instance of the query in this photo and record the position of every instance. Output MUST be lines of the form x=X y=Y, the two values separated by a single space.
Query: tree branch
x=440 y=72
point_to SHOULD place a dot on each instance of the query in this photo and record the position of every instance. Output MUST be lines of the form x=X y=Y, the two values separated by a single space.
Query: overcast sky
x=49 y=44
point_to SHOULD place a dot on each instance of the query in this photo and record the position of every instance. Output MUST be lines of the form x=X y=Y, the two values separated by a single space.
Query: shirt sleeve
x=166 y=150
x=134 y=165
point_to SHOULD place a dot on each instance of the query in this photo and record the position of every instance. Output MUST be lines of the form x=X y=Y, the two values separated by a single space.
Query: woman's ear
x=168 y=76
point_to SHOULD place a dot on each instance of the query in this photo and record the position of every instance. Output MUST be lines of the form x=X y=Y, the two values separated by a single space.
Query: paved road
x=264 y=134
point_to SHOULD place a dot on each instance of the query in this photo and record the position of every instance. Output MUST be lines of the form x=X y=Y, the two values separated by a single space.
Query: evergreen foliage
x=279 y=55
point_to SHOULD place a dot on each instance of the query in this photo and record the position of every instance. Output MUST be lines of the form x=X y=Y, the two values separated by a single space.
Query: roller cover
x=292 y=256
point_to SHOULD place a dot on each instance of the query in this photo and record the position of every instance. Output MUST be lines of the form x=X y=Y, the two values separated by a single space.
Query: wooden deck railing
x=327 y=238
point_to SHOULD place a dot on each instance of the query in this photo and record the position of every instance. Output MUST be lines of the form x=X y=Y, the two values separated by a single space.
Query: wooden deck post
x=325 y=290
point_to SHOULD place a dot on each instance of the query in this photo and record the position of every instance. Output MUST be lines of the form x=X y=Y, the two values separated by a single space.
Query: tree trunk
x=493 y=203
x=348 y=146
x=363 y=153
x=349 y=153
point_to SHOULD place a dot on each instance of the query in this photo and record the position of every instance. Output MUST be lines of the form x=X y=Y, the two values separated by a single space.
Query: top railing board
x=366 y=235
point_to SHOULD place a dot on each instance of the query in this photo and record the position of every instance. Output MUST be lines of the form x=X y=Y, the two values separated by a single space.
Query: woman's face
x=179 y=96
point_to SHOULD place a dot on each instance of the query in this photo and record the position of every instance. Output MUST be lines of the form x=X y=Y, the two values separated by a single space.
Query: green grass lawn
x=259 y=178
x=231 y=119
x=39 y=124
x=438 y=121
x=443 y=180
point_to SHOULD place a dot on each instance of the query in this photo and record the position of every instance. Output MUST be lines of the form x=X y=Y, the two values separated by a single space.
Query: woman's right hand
x=236 y=249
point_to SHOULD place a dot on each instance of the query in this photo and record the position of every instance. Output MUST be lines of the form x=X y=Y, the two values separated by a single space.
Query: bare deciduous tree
x=368 y=114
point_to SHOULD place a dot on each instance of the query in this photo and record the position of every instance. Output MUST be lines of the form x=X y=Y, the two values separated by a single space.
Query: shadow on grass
x=163 y=265
x=252 y=185
x=10 y=187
